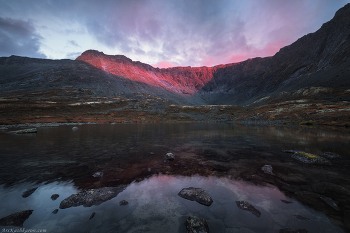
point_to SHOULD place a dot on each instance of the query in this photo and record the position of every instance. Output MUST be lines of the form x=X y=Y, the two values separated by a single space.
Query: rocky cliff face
x=317 y=59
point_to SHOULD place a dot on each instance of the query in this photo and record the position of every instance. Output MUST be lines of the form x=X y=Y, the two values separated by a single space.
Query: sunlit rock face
x=180 y=80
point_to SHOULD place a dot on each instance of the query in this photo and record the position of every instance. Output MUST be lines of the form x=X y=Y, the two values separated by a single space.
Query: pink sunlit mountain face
x=179 y=80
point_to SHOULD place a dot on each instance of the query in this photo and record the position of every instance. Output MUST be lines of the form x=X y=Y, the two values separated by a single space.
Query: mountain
x=319 y=59
x=314 y=70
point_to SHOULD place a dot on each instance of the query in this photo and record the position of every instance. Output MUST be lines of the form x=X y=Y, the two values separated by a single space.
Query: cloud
x=18 y=37
x=73 y=43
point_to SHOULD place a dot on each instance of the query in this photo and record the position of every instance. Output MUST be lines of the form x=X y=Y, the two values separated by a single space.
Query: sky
x=162 y=33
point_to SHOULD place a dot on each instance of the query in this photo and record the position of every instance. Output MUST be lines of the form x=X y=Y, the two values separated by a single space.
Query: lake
x=225 y=160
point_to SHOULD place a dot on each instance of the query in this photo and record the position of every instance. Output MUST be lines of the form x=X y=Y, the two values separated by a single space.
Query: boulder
x=24 y=131
x=16 y=219
x=123 y=202
x=54 y=196
x=310 y=158
x=169 y=157
x=267 y=169
x=29 y=192
x=196 y=194
x=196 y=225
x=244 y=205
x=91 y=197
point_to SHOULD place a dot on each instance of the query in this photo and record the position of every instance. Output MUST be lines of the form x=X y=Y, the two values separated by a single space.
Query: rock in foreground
x=169 y=157
x=91 y=197
x=16 y=219
x=244 y=205
x=28 y=192
x=267 y=169
x=23 y=131
x=196 y=194
x=196 y=225
x=310 y=158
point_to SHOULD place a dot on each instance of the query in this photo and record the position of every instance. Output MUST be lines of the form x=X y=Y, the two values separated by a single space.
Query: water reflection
x=223 y=159
x=154 y=206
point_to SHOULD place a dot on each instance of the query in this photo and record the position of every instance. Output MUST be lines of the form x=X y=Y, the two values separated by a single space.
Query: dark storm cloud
x=18 y=37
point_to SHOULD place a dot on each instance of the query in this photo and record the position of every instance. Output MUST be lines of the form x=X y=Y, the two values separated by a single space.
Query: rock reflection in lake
x=231 y=163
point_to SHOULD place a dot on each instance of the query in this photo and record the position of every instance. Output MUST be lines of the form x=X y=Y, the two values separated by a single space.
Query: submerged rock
x=16 y=219
x=98 y=174
x=244 y=205
x=330 y=202
x=196 y=225
x=169 y=157
x=267 y=169
x=196 y=194
x=330 y=155
x=310 y=158
x=29 y=192
x=24 y=131
x=286 y=202
x=123 y=202
x=301 y=217
x=92 y=215
x=91 y=197
x=293 y=230
x=55 y=211
x=54 y=197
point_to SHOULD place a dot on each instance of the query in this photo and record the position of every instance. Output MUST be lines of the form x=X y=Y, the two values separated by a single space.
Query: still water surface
x=218 y=158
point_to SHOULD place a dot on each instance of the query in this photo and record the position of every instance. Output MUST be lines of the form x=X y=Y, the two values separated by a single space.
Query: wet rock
x=24 y=131
x=169 y=157
x=123 y=202
x=92 y=215
x=75 y=128
x=330 y=155
x=310 y=158
x=29 y=192
x=55 y=211
x=16 y=219
x=301 y=217
x=196 y=194
x=98 y=174
x=330 y=202
x=286 y=202
x=244 y=205
x=54 y=197
x=91 y=197
x=196 y=225
x=293 y=230
x=267 y=169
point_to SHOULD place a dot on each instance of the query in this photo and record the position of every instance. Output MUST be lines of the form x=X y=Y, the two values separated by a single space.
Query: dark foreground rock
x=196 y=225
x=24 y=131
x=310 y=158
x=169 y=157
x=267 y=169
x=91 y=197
x=28 y=192
x=16 y=219
x=54 y=196
x=92 y=215
x=244 y=205
x=123 y=202
x=55 y=211
x=196 y=194
x=293 y=230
